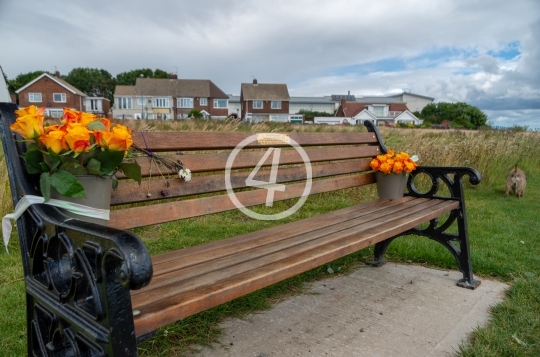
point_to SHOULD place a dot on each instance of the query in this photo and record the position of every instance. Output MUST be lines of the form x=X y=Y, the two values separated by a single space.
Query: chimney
x=254 y=81
x=57 y=74
x=343 y=101
x=173 y=76
x=348 y=92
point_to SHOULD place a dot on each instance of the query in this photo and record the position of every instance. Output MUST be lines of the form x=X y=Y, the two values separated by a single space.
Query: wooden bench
x=94 y=290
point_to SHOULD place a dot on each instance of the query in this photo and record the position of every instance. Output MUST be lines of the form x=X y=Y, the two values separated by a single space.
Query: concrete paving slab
x=394 y=310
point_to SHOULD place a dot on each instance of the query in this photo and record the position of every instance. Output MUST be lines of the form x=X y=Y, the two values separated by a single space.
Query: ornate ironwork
x=78 y=274
x=444 y=183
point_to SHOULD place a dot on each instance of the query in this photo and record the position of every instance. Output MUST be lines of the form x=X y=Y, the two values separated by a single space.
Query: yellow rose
x=55 y=141
x=102 y=138
x=78 y=137
x=87 y=118
x=28 y=126
x=120 y=139
x=71 y=116
x=30 y=110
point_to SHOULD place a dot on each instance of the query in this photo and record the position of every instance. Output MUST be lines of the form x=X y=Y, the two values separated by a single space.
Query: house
x=380 y=110
x=264 y=102
x=234 y=106
x=169 y=98
x=97 y=105
x=415 y=102
x=313 y=104
x=53 y=93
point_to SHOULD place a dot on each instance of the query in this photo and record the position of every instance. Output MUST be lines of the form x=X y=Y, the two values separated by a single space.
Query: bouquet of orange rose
x=82 y=145
x=393 y=162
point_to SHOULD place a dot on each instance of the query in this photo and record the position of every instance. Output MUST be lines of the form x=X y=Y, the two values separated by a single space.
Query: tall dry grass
x=492 y=153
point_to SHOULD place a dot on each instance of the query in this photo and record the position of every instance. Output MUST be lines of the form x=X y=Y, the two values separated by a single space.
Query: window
x=54 y=113
x=203 y=101
x=378 y=111
x=161 y=102
x=93 y=105
x=59 y=97
x=276 y=104
x=34 y=97
x=220 y=103
x=124 y=103
x=141 y=101
x=257 y=104
x=185 y=102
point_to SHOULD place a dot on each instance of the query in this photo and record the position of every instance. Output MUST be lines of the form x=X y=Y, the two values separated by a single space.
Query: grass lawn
x=504 y=233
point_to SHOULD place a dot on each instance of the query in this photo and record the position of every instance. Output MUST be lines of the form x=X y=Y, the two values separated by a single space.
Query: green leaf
x=96 y=125
x=131 y=170
x=33 y=160
x=94 y=167
x=44 y=167
x=114 y=182
x=45 y=185
x=54 y=159
x=110 y=160
x=32 y=147
x=74 y=168
x=67 y=184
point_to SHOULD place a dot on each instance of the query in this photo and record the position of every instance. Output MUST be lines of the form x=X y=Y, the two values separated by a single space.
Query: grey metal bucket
x=391 y=186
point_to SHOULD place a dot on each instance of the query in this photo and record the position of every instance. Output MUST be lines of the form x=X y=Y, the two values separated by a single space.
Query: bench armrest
x=451 y=177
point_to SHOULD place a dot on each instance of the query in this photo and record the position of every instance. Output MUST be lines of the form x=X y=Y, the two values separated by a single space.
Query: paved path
x=395 y=310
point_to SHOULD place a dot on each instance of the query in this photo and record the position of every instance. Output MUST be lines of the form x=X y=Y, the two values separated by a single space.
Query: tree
x=308 y=114
x=195 y=113
x=22 y=79
x=459 y=114
x=129 y=78
x=92 y=81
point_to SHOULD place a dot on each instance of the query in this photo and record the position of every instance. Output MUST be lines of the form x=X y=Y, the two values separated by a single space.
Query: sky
x=482 y=52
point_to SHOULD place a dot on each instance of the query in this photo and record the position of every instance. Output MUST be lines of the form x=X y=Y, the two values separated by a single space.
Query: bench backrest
x=337 y=160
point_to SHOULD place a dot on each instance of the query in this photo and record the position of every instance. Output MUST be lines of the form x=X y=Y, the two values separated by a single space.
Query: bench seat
x=194 y=279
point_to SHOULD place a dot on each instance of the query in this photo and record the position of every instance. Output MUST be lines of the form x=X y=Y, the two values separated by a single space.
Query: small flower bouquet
x=391 y=162
x=82 y=145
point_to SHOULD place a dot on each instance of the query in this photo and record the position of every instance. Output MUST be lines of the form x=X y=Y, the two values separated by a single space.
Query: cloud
x=453 y=50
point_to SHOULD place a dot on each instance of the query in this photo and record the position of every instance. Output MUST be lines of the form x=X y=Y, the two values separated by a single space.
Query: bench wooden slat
x=245 y=159
x=278 y=231
x=262 y=251
x=172 y=141
x=131 y=192
x=170 y=211
x=216 y=291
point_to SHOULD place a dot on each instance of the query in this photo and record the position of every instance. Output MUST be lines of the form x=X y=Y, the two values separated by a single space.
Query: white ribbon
x=28 y=200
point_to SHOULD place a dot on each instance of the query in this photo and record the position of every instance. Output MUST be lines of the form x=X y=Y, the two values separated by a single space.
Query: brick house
x=264 y=102
x=53 y=93
x=172 y=98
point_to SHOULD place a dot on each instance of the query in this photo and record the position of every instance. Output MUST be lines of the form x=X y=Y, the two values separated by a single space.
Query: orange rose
x=78 y=137
x=71 y=116
x=30 y=110
x=87 y=118
x=106 y=122
x=375 y=164
x=102 y=138
x=386 y=168
x=398 y=167
x=29 y=126
x=410 y=165
x=55 y=140
x=121 y=138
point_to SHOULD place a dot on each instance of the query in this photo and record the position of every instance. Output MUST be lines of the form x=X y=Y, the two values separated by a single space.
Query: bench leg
x=380 y=250
x=457 y=244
